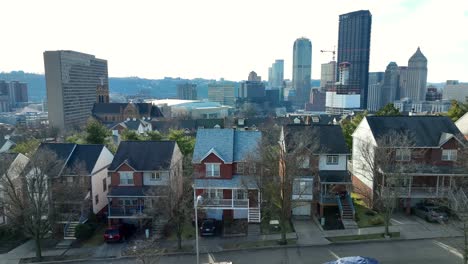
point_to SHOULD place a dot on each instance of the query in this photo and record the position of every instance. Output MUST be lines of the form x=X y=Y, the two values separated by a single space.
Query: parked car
x=118 y=233
x=431 y=213
x=208 y=227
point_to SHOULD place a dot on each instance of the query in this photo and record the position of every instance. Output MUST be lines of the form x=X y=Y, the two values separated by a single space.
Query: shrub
x=370 y=213
x=84 y=231
x=376 y=220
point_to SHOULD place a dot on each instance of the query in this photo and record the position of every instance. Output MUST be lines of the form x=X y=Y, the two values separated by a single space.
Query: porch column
x=437 y=186
x=258 y=197
x=321 y=210
x=108 y=211
x=408 y=206
x=409 y=187
x=232 y=197
x=139 y=205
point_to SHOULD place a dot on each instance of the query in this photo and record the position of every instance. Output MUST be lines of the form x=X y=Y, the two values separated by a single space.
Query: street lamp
x=196 y=200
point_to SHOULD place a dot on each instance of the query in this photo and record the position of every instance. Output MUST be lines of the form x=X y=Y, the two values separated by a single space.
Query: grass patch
x=187 y=233
x=267 y=229
x=362 y=237
x=257 y=244
x=10 y=239
x=96 y=239
x=365 y=217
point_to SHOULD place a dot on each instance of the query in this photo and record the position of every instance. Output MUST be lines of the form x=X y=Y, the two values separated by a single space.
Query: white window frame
x=403 y=154
x=210 y=170
x=449 y=154
x=331 y=159
x=304 y=162
x=153 y=175
x=126 y=180
x=214 y=193
x=244 y=194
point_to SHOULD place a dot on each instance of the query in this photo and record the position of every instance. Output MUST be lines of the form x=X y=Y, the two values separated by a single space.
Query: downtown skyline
x=208 y=39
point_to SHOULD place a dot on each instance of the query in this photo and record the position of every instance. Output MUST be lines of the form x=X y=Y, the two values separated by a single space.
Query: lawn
x=362 y=237
x=97 y=238
x=187 y=233
x=256 y=244
x=9 y=239
x=365 y=217
x=268 y=230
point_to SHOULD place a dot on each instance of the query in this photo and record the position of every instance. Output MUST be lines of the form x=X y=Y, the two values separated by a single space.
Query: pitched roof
x=72 y=155
x=426 y=131
x=7 y=159
x=330 y=137
x=144 y=109
x=132 y=124
x=144 y=155
x=229 y=144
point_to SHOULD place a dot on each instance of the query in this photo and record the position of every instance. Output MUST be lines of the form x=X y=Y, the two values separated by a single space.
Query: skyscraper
x=354 y=47
x=252 y=90
x=221 y=92
x=416 y=77
x=277 y=70
x=187 y=91
x=302 y=60
x=72 y=79
x=374 y=98
x=327 y=75
x=390 y=91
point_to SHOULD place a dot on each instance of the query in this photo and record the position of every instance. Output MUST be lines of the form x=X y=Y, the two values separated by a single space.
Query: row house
x=79 y=181
x=222 y=175
x=322 y=178
x=433 y=159
x=143 y=173
x=140 y=126
x=11 y=166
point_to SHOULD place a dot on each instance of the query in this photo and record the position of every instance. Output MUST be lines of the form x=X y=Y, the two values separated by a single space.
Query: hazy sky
x=228 y=38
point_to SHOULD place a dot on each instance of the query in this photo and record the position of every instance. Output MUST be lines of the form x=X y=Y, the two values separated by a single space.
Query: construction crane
x=333 y=52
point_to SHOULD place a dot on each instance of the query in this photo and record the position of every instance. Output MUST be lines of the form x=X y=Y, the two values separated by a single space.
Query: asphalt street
x=414 y=252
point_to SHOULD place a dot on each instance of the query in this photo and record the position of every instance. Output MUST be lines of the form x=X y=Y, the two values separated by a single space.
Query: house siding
x=342 y=160
x=226 y=170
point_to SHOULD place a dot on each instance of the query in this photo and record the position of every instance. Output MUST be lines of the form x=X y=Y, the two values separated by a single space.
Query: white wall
x=332 y=99
x=342 y=160
x=361 y=137
x=97 y=177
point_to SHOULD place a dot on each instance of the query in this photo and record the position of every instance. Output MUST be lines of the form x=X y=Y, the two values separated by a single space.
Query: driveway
x=308 y=233
x=412 y=226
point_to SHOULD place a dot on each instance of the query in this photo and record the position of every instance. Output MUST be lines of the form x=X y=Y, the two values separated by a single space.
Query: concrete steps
x=69 y=233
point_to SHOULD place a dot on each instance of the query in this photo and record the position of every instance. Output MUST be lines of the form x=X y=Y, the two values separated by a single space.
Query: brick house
x=323 y=173
x=433 y=156
x=141 y=173
x=222 y=177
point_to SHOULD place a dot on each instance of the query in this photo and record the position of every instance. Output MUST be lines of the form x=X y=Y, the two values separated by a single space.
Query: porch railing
x=421 y=191
x=232 y=203
x=126 y=211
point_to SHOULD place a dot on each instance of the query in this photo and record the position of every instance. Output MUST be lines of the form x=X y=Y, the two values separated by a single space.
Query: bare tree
x=27 y=195
x=384 y=165
x=284 y=155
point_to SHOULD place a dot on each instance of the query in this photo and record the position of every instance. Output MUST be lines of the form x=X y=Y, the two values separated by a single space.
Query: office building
x=433 y=94
x=428 y=107
x=390 y=86
x=187 y=91
x=344 y=97
x=276 y=78
x=18 y=93
x=374 y=95
x=403 y=73
x=72 y=79
x=416 y=78
x=302 y=60
x=327 y=75
x=252 y=90
x=453 y=90
x=354 y=48
x=221 y=92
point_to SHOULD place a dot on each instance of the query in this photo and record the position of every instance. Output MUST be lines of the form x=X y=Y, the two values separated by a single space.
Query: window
x=96 y=199
x=212 y=169
x=214 y=193
x=403 y=154
x=69 y=180
x=240 y=168
x=126 y=178
x=449 y=154
x=153 y=176
x=332 y=159
x=241 y=194
x=253 y=168
x=104 y=184
x=128 y=202
x=304 y=162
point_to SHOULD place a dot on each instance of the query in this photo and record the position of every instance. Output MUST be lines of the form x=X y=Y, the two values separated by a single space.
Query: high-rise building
x=252 y=90
x=221 y=92
x=278 y=74
x=302 y=61
x=433 y=94
x=72 y=80
x=187 y=91
x=4 y=97
x=416 y=77
x=344 y=96
x=403 y=73
x=18 y=93
x=354 y=47
x=374 y=95
x=454 y=90
x=327 y=74
x=390 y=86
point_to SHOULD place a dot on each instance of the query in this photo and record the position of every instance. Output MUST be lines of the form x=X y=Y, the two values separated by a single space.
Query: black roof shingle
x=330 y=137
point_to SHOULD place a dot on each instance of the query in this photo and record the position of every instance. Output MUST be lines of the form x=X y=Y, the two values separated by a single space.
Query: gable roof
x=72 y=155
x=7 y=159
x=228 y=144
x=426 y=131
x=132 y=124
x=330 y=137
x=144 y=109
x=462 y=124
x=144 y=155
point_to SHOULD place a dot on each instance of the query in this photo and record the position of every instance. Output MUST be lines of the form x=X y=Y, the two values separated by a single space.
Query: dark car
x=431 y=213
x=208 y=227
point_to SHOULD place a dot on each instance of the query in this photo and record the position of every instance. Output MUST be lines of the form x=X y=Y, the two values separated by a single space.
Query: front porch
x=425 y=186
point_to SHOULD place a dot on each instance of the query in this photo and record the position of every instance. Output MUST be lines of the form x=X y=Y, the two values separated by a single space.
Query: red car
x=115 y=234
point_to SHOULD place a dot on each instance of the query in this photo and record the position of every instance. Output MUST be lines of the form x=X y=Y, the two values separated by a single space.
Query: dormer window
x=153 y=176
x=332 y=159
x=449 y=154
x=212 y=169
